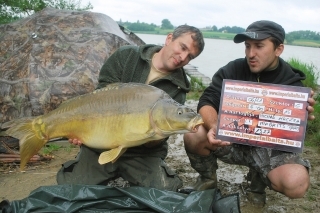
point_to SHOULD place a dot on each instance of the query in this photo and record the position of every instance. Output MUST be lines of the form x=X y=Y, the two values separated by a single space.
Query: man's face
x=261 y=54
x=179 y=52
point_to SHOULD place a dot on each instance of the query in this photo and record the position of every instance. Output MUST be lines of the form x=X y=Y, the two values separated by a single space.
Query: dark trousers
x=139 y=171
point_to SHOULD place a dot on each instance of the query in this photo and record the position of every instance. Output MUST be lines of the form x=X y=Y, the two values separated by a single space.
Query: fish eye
x=180 y=112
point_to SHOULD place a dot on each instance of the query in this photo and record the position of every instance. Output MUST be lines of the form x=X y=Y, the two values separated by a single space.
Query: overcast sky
x=293 y=15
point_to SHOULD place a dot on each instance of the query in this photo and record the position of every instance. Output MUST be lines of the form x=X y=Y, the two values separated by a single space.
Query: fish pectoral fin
x=111 y=155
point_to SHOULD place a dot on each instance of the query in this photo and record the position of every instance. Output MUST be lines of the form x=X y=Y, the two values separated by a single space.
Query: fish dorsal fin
x=111 y=155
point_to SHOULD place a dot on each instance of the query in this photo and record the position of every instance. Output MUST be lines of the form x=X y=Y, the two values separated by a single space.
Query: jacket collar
x=177 y=77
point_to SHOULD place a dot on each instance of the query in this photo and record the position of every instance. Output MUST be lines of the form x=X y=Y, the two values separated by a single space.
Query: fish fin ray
x=121 y=152
x=111 y=155
x=29 y=146
x=29 y=143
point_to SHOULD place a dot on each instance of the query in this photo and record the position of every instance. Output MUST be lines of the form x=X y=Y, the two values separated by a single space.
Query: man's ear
x=279 y=50
x=168 y=39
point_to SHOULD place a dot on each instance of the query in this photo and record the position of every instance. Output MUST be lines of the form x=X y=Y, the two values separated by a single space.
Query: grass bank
x=312 y=76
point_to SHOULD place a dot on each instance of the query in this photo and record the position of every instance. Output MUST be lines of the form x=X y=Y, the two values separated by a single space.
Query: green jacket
x=132 y=64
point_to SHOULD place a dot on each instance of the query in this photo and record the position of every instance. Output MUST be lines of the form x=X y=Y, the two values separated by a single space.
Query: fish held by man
x=113 y=118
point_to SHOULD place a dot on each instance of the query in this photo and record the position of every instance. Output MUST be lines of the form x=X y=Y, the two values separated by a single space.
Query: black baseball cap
x=260 y=30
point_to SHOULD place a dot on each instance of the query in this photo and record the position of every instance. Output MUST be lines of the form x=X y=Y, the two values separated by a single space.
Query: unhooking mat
x=96 y=198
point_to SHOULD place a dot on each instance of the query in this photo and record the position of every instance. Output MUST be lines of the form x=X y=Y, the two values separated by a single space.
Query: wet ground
x=232 y=180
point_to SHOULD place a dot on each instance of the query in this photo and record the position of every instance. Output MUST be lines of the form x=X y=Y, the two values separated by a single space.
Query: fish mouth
x=196 y=122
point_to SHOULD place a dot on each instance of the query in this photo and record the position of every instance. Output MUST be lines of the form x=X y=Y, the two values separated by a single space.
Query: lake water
x=218 y=53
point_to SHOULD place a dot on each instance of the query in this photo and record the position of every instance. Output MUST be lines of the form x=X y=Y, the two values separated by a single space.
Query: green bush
x=197 y=85
x=309 y=70
x=312 y=76
x=197 y=88
x=313 y=127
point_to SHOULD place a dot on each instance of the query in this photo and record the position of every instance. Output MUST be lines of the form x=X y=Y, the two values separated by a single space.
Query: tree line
x=166 y=25
x=302 y=34
x=142 y=26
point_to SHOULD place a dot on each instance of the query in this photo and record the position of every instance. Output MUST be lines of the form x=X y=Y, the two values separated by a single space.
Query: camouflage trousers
x=138 y=171
x=262 y=160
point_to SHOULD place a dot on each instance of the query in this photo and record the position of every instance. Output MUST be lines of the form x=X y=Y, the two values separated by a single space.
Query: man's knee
x=298 y=185
x=290 y=179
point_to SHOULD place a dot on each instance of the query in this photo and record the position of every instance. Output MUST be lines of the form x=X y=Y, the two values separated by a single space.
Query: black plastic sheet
x=95 y=198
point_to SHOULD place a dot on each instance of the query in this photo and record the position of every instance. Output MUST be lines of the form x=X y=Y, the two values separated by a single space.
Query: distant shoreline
x=229 y=36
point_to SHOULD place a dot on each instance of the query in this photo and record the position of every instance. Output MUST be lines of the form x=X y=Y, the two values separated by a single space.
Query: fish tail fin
x=30 y=142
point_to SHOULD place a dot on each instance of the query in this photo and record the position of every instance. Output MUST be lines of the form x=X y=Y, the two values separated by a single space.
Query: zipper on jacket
x=258 y=77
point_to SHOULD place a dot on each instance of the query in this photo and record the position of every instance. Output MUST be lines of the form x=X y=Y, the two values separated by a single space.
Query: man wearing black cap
x=284 y=172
